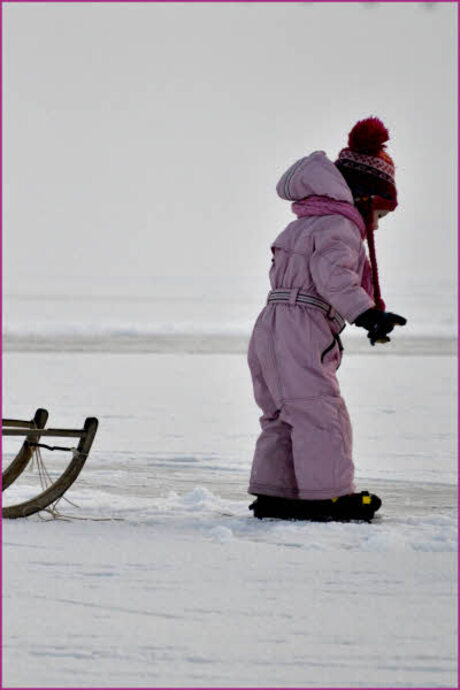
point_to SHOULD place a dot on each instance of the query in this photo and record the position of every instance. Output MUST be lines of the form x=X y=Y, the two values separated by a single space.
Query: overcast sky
x=146 y=139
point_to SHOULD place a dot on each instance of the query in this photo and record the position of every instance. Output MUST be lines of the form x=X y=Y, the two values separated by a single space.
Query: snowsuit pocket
x=333 y=352
x=328 y=349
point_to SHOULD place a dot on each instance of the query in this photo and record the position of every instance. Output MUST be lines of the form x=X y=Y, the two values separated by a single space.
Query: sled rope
x=46 y=479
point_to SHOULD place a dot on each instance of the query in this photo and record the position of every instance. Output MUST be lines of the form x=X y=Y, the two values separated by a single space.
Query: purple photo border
x=127 y=2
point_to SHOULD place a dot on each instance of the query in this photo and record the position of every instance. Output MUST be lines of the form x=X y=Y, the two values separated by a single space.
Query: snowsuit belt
x=295 y=296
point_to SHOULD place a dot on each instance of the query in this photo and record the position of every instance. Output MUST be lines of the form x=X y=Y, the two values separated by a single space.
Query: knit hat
x=370 y=174
x=366 y=166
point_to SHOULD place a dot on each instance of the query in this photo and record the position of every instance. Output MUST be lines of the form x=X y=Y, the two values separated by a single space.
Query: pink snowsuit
x=305 y=448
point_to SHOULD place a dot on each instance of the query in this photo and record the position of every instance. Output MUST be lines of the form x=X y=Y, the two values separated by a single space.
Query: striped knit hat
x=365 y=165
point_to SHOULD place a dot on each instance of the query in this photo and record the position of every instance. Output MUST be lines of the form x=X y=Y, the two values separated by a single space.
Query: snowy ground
x=178 y=585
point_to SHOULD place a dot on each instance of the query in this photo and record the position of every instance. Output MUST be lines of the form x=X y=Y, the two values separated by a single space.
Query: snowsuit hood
x=314 y=175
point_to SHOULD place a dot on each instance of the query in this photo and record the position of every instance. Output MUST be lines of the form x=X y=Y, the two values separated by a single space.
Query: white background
x=145 y=140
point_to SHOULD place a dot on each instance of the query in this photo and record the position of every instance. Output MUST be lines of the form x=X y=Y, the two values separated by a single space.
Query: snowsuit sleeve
x=336 y=265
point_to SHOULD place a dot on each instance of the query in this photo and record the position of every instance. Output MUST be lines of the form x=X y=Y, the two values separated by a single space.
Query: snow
x=157 y=605
x=163 y=578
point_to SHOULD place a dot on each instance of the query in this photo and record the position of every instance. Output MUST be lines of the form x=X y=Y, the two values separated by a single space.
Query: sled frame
x=33 y=435
x=22 y=459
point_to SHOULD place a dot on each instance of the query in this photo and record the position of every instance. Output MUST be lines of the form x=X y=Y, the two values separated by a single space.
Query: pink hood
x=314 y=175
x=323 y=252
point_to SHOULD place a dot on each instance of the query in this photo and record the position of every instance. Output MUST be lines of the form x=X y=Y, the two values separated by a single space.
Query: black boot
x=276 y=507
x=360 y=506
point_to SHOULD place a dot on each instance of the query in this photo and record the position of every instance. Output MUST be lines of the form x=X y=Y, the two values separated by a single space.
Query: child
x=320 y=277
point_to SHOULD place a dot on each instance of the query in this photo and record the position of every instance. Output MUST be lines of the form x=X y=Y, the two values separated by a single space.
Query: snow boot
x=275 y=507
x=360 y=506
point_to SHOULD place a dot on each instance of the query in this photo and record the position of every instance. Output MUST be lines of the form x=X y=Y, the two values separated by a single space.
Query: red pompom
x=368 y=136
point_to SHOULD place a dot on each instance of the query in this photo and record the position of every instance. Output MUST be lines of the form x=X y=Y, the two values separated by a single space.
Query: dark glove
x=378 y=324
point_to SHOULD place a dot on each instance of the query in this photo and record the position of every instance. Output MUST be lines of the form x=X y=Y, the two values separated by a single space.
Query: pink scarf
x=325 y=206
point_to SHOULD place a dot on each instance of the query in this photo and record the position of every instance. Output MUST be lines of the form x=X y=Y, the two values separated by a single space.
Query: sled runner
x=34 y=431
x=22 y=459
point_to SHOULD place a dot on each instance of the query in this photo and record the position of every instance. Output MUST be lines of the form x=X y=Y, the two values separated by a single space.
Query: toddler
x=321 y=278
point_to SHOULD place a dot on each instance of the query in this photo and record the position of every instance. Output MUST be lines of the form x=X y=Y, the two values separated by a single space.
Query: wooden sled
x=34 y=431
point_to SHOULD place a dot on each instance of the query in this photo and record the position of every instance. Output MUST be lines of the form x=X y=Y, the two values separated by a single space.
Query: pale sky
x=146 y=139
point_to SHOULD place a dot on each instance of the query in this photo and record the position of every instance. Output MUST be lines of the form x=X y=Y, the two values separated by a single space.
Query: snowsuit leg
x=274 y=446
x=305 y=448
